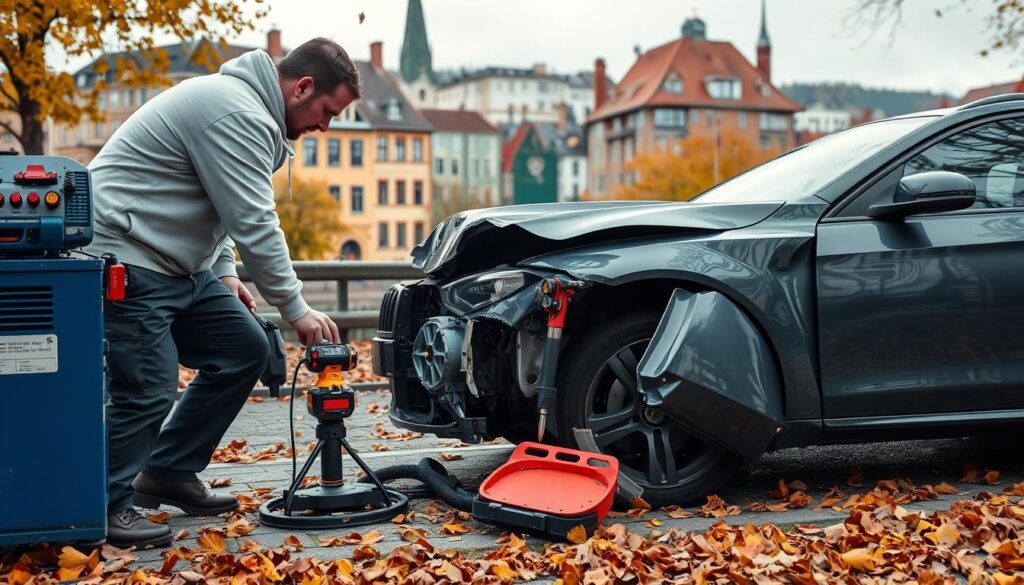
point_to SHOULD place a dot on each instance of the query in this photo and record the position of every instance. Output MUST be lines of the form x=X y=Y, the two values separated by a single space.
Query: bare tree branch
x=13 y=99
x=7 y=126
x=868 y=17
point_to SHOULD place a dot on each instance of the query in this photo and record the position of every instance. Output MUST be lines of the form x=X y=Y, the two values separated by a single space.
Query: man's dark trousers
x=164 y=320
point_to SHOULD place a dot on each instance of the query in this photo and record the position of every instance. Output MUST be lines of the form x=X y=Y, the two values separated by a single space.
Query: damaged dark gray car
x=864 y=287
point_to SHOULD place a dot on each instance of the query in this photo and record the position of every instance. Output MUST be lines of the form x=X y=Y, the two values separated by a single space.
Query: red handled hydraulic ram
x=553 y=295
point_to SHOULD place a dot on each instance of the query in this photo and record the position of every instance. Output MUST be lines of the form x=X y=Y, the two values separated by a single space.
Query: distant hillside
x=849 y=96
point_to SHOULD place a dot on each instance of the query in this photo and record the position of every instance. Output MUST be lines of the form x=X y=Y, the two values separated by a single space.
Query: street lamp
x=717 y=126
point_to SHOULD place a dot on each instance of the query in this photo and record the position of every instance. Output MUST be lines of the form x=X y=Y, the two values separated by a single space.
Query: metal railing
x=342 y=272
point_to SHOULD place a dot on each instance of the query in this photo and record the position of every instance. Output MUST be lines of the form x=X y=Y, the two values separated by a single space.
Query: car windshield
x=806 y=170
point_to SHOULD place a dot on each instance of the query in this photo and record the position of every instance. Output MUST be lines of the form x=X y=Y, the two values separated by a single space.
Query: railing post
x=342 y=285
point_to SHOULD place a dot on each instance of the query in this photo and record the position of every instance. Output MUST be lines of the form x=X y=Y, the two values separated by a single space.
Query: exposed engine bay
x=472 y=376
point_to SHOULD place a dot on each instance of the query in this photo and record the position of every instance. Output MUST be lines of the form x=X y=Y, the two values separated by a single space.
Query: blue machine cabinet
x=53 y=471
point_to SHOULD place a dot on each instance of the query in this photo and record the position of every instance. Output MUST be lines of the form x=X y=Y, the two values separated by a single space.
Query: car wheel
x=597 y=389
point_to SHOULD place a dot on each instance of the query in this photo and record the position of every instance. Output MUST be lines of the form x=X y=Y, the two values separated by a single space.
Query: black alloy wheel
x=598 y=390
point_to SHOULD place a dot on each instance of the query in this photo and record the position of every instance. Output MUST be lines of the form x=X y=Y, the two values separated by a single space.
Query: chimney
x=944 y=102
x=540 y=69
x=600 y=86
x=377 y=54
x=764 y=62
x=563 y=114
x=274 y=43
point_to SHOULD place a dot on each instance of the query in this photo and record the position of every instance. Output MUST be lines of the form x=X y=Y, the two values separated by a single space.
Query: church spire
x=415 y=59
x=763 y=41
x=764 y=46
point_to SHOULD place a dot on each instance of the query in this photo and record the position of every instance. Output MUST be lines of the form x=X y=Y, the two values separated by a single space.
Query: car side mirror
x=930 y=192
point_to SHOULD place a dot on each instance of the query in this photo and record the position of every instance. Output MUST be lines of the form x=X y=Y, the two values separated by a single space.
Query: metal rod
x=302 y=474
x=366 y=470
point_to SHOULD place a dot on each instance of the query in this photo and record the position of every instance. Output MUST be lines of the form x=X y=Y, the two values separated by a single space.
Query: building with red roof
x=978 y=93
x=690 y=85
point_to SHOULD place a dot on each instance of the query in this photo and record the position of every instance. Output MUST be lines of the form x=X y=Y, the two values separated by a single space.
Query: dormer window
x=724 y=88
x=672 y=84
x=394 y=110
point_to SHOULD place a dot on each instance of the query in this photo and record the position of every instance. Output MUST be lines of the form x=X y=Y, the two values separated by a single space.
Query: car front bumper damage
x=438 y=390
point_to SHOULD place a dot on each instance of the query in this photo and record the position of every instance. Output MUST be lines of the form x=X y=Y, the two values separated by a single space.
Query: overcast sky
x=811 y=39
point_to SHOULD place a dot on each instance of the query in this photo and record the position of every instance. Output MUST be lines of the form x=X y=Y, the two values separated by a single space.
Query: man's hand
x=314 y=327
x=238 y=289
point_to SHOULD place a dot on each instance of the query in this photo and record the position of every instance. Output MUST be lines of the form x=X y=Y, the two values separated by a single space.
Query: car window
x=808 y=169
x=991 y=155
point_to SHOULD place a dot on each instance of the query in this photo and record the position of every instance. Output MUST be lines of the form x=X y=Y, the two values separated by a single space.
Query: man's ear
x=304 y=86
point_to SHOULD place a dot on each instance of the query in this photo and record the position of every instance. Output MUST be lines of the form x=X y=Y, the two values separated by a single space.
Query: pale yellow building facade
x=376 y=161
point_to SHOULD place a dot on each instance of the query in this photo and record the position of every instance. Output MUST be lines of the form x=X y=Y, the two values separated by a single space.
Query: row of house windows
x=440 y=168
x=310 y=154
x=383 y=192
x=357 y=199
x=774 y=122
x=399 y=152
x=401 y=234
x=677 y=118
x=311 y=145
x=96 y=130
x=125 y=98
x=718 y=88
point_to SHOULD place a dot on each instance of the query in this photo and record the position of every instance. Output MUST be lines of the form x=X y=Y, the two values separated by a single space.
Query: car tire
x=683 y=469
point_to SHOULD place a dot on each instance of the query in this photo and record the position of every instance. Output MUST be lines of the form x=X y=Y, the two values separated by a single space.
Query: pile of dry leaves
x=363 y=372
x=979 y=541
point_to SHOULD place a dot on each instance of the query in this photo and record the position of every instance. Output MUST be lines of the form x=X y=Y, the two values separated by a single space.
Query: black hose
x=433 y=473
x=435 y=479
x=409 y=471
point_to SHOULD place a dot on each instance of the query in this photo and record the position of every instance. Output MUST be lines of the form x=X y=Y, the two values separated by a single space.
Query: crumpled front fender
x=709 y=368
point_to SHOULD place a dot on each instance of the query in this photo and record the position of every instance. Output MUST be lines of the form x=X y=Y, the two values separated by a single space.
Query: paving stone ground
x=263 y=424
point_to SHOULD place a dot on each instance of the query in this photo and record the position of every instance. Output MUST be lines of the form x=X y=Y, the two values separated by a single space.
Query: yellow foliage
x=311 y=219
x=687 y=168
x=31 y=29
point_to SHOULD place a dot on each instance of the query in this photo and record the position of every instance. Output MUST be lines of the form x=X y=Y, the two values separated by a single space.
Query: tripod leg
x=302 y=474
x=369 y=473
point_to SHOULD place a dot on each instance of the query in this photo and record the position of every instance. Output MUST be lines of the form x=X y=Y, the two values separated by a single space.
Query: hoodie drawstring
x=291 y=156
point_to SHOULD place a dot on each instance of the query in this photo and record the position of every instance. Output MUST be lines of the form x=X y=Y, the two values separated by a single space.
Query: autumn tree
x=310 y=218
x=32 y=30
x=455 y=201
x=686 y=168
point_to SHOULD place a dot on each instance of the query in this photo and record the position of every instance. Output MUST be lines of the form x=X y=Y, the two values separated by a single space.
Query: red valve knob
x=15 y=199
x=33 y=199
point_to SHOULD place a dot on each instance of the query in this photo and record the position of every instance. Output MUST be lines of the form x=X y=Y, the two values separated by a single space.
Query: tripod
x=333 y=503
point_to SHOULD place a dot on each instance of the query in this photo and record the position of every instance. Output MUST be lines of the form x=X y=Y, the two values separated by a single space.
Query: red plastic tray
x=554 y=480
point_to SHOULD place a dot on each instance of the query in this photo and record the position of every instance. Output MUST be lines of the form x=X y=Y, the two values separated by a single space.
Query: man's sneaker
x=192 y=497
x=130 y=528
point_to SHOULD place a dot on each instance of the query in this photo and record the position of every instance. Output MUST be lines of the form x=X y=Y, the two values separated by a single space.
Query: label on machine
x=28 y=354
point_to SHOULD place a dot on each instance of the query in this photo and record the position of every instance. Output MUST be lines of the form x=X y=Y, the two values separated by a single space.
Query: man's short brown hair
x=326 y=62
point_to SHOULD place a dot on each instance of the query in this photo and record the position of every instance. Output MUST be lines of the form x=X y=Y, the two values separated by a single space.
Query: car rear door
x=926 y=315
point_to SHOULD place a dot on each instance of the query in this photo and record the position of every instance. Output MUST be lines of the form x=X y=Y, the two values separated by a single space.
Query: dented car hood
x=560 y=223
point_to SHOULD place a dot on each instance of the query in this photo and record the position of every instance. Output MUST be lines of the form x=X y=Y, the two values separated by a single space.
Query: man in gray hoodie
x=181 y=185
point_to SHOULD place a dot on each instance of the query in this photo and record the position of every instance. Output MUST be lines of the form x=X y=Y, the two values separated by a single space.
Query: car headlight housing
x=479 y=290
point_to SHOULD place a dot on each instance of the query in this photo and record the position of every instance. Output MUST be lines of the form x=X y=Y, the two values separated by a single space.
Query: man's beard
x=295 y=134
